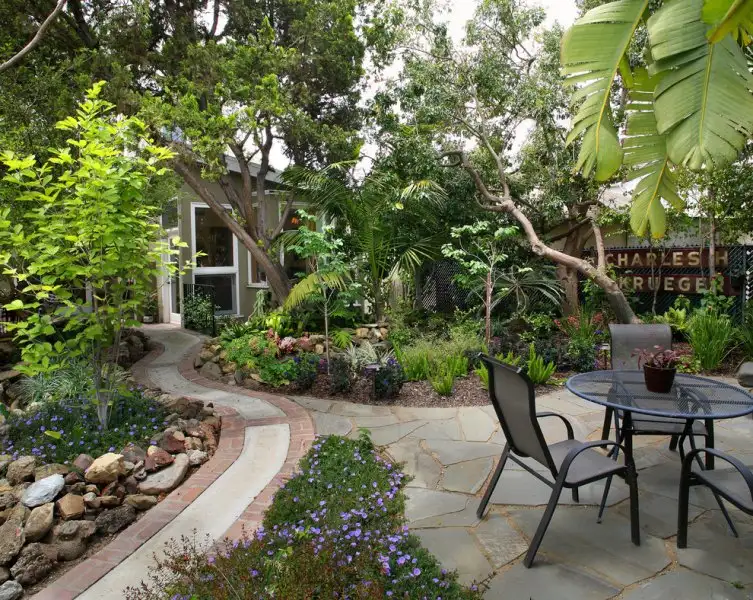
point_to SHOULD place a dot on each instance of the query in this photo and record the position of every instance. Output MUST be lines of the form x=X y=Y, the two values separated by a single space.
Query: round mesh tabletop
x=691 y=397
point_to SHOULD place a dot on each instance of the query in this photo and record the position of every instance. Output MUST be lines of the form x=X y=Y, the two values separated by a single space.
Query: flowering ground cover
x=61 y=430
x=336 y=530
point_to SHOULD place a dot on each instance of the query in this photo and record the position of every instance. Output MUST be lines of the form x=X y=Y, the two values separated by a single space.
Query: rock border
x=85 y=574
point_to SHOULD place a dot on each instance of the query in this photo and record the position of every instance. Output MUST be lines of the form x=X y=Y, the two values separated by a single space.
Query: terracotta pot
x=659 y=380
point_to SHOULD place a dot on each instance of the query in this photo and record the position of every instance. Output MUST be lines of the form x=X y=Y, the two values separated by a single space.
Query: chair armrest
x=573 y=454
x=568 y=425
x=739 y=466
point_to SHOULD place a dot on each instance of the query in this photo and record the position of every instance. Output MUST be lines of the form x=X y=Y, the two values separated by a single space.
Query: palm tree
x=371 y=216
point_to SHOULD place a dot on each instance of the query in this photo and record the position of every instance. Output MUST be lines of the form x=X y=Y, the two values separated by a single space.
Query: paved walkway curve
x=263 y=438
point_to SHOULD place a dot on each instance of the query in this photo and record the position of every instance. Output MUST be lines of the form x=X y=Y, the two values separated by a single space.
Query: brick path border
x=232 y=437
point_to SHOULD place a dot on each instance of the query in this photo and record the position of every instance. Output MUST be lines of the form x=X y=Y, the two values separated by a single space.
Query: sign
x=645 y=258
x=676 y=284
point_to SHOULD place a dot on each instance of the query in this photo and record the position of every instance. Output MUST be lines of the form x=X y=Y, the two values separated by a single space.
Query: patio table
x=691 y=398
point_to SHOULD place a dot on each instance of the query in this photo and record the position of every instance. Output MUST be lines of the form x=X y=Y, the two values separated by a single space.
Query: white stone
x=43 y=491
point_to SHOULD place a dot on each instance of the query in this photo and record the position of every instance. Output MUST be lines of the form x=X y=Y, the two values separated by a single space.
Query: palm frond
x=646 y=155
x=703 y=102
x=729 y=17
x=593 y=52
x=311 y=285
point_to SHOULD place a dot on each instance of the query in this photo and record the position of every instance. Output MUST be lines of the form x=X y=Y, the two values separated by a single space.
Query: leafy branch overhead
x=692 y=107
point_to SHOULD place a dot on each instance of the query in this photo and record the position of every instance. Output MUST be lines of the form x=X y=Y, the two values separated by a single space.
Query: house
x=226 y=265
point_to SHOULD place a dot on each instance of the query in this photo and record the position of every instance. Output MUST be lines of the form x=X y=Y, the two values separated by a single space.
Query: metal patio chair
x=572 y=463
x=734 y=485
x=625 y=340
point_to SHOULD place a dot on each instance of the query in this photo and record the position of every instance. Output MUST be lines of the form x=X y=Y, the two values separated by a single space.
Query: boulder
x=206 y=355
x=114 y=520
x=11 y=590
x=173 y=442
x=139 y=471
x=73 y=477
x=210 y=438
x=4 y=574
x=90 y=487
x=35 y=561
x=167 y=479
x=19 y=490
x=12 y=538
x=140 y=501
x=160 y=457
x=7 y=500
x=106 y=468
x=5 y=486
x=51 y=469
x=91 y=500
x=21 y=470
x=211 y=370
x=133 y=453
x=69 y=538
x=19 y=512
x=362 y=333
x=83 y=462
x=114 y=489
x=197 y=457
x=70 y=506
x=745 y=375
x=109 y=501
x=5 y=460
x=43 y=491
x=193 y=443
x=78 y=488
x=39 y=522
x=131 y=484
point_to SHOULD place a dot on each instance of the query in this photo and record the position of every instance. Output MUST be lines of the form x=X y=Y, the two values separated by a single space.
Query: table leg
x=627 y=437
x=607 y=424
x=709 y=443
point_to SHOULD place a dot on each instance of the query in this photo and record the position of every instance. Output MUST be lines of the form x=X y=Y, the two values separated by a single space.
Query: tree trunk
x=488 y=309
x=568 y=277
x=326 y=328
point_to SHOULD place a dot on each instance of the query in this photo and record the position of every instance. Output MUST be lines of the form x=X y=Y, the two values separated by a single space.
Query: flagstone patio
x=450 y=452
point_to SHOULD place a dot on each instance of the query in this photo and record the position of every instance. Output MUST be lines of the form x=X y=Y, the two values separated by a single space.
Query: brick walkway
x=263 y=438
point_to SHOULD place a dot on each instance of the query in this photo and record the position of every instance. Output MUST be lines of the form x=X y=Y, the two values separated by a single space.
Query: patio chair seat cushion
x=731 y=483
x=587 y=466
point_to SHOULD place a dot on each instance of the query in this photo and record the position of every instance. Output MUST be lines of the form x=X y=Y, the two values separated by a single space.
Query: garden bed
x=335 y=530
x=69 y=485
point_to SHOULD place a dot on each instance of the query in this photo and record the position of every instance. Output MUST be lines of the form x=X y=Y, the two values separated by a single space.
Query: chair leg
x=576 y=495
x=635 y=525
x=673 y=442
x=493 y=482
x=720 y=502
x=603 y=504
x=682 y=512
x=544 y=523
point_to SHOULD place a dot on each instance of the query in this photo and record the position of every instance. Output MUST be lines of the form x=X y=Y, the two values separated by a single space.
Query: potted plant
x=659 y=368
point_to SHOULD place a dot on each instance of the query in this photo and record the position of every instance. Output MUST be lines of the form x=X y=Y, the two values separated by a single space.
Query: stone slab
x=370 y=422
x=745 y=375
x=664 y=480
x=424 y=470
x=682 y=584
x=501 y=542
x=467 y=477
x=317 y=404
x=658 y=515
x=382 y=436
x=547 y=581
x=422 y=504
x=328 y=424
x=348 y=409
x=430 y=413
x=456 y=549
x=451 y=452
x=463 y=518
x=574 y=537
x=447 y=429
x=476 y=424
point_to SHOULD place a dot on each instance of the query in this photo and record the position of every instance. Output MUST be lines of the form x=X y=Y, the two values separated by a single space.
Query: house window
x=256 y=275
x=218 y=266
x=292 y=264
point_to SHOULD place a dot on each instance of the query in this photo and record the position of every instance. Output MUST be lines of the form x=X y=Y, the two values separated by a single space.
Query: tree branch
x=284 y=217
x=601 y=261
x=13 y=60
x=572 y=229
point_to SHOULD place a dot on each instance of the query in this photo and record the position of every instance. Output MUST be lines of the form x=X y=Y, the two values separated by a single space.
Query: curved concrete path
x=450 y=453
x=222 y=505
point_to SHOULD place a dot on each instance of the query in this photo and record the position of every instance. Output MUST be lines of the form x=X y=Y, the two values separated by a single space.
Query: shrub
x=483 y=374
x=509 y=359
x=59 y=431
x=340 y=375
x=305 y=371
x=456 y=365
x=442 y=383
x=711 y=336
x=583 y=326
x=366 y=354
x=745 y=333
x=275 y=372
x=678 y=317
x=323 y=536
x=198 y=313
x=69 y=381
x=415 y=361
x=581 y=355
x=538 y=371
x=389 y=379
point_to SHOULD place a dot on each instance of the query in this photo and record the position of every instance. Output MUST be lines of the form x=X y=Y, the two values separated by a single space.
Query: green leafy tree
x=480 y=249
x=84 y=223
x=371 y=216
x=328 y=272
x=476 y=96
x=689 y=98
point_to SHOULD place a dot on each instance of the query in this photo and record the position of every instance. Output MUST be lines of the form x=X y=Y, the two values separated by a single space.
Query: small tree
x=328 y=272
x=87 y=246
x=478 y=248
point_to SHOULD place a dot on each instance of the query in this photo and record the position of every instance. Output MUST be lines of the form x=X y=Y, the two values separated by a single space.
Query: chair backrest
x=514 y=401
x=626 y=339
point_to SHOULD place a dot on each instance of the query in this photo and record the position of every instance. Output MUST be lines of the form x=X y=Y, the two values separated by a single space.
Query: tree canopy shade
x=690 y=105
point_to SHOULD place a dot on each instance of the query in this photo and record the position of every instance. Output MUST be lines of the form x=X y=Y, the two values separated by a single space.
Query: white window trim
x=216 y=270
